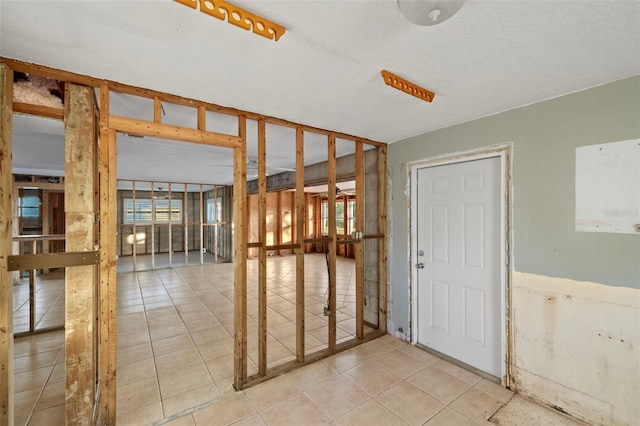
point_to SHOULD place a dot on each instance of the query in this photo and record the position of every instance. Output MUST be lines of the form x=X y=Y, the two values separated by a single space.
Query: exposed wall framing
x=307 y=233
x=6 y=229
x=80 y=281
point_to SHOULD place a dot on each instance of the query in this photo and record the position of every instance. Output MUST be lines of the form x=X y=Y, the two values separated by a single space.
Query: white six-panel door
x=458 y=261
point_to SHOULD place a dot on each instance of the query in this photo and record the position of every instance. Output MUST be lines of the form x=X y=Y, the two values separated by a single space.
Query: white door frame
x=504 y=152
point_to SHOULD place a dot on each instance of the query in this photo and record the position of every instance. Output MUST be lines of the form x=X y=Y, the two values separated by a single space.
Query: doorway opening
x=459 y=215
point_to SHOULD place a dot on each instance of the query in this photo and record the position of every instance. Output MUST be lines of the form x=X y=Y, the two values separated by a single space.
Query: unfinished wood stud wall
x=382 y=242
x=6 y=229
x=240 y=255
x=262 y=250
x=297 y=205
x=108 y=270
x=299 y=239
x=331 y=193
x=80 y=288
x=359 y=246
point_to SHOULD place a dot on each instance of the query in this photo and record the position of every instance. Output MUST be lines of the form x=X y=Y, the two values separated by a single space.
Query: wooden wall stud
x=6 y=229
x=240 y=257
x=331 y=204
x=80 y=318
x=262 y=250
x=299 y=239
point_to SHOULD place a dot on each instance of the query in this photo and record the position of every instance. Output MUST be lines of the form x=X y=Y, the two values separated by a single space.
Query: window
x=142 y=211
x=29 y=206
x=214 y=210
x=351 y=216
x=324 y=217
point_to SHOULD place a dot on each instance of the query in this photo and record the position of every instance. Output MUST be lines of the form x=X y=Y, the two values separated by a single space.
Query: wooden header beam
x=39 y=110
x=168 y=131
x=166 y=97
x=39 y=185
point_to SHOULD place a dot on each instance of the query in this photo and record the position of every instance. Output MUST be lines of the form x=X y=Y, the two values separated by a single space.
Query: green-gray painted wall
x=544 y=136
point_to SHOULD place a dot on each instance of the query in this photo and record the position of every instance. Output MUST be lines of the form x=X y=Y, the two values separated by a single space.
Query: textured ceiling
x=325 y=70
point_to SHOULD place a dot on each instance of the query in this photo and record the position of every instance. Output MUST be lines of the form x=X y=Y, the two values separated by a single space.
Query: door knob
x=420 y=265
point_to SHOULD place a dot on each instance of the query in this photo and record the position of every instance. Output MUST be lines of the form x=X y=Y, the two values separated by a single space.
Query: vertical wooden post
x=331 y=205
x=16 y=225
x=202 y=118
x=262 y=250
x=153 y=226
x=170 y=228
x=6 y=229
x=45 y=224
x=215 y=226
x=134 y=229
x=32 y=291
x=79 y=280
x=382 y=242
x=307 y=230
x=240 y=256
x=278 y=239
x=185 y=220
x=300 y=227
x=201 y=227
x=157 y=110
x=360 y=245
x=108 y=227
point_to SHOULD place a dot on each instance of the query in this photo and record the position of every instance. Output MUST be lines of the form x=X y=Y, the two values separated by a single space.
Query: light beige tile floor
x=49 y=301
x=175 y=348
x=175 y=354
x=362 y=386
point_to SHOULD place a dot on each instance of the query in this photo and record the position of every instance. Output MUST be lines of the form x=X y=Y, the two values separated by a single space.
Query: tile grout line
x=46 y=382
x=190 y=337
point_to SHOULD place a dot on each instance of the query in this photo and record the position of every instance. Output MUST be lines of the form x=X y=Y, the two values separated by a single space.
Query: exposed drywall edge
x=512 y=109
x=564 y=399
x=583 y=289
x=576 y=347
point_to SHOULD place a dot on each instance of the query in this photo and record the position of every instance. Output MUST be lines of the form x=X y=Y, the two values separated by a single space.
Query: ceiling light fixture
x=429 y=12
x=237 y=16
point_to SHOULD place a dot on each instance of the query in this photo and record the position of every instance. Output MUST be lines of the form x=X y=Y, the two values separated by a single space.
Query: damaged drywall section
x=35 y=90
x=577 y=347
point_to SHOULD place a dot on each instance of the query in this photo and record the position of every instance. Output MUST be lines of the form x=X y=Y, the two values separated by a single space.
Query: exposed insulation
x=32 y=93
